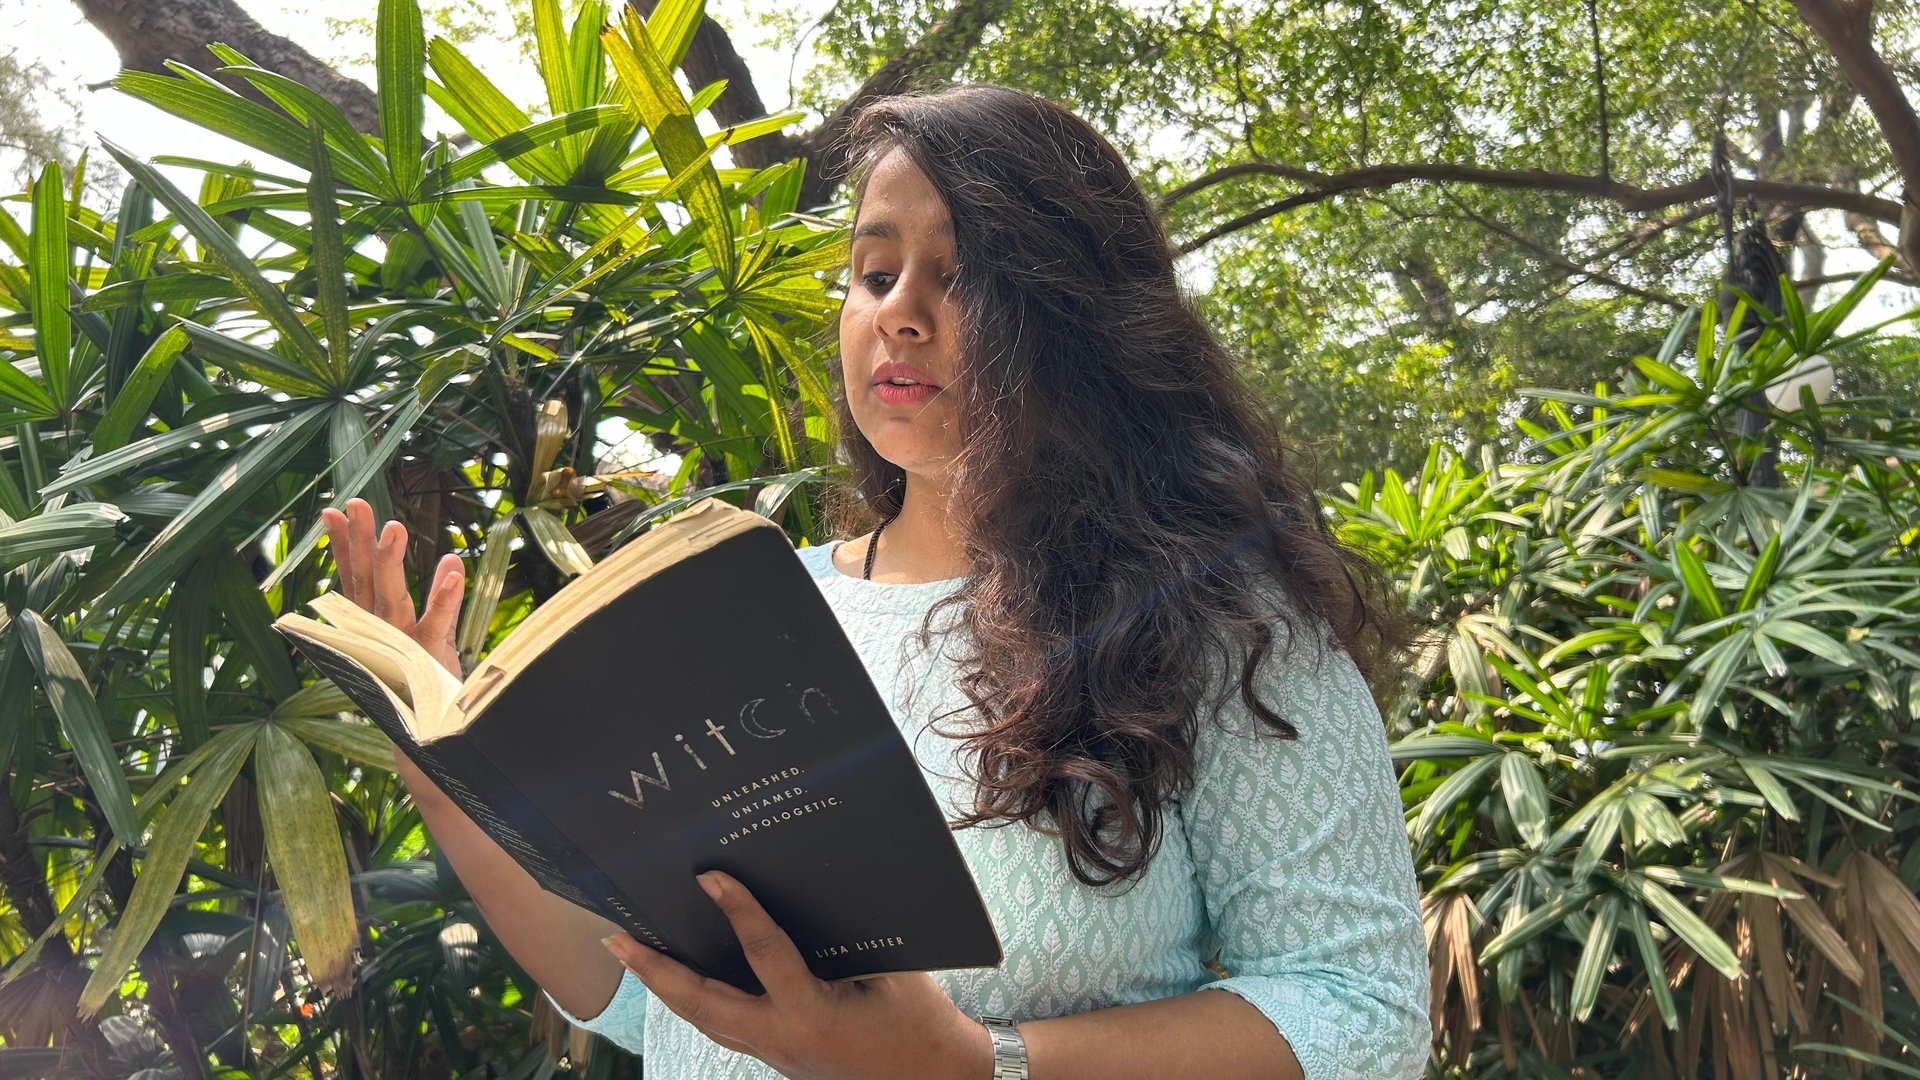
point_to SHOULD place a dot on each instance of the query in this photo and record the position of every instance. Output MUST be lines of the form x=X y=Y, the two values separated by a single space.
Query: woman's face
x=901 y=319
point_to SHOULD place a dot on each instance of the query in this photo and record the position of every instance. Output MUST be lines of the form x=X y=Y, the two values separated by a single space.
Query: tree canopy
x=1409 y=208
x=1399 y=211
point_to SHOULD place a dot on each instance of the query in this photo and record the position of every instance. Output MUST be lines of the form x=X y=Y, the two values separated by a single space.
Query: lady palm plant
x=196 y=838
x=1661 y=766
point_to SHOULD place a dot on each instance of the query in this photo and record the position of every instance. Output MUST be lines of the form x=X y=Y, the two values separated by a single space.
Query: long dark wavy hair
x=1126 y=500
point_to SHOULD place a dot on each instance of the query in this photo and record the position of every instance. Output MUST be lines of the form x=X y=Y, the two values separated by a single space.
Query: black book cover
x=505 y=814
x=714 y=717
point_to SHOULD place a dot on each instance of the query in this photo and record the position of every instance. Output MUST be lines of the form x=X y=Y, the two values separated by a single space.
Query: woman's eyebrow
x=887 y=230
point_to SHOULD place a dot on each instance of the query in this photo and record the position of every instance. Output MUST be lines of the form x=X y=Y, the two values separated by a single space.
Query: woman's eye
x=871 y=279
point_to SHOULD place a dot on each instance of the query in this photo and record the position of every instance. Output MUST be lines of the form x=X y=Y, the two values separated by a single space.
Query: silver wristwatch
x=1009 y=1049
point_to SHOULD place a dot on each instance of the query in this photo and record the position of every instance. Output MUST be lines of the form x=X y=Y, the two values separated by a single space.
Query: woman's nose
x=904 y=315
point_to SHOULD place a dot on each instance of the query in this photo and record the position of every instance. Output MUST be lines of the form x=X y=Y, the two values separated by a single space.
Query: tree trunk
x=1847 y=28
x=712 y=57
x=1429 y=296
x=934 y=57
x=147 y=34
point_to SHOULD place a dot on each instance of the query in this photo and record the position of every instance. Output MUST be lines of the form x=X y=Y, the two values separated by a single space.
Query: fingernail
x=710 y=885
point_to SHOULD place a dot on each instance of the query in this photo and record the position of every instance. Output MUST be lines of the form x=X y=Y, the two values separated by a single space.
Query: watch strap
x=1009 y=1048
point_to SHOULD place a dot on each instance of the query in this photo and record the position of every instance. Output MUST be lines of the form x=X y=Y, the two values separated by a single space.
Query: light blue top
x=1288 y=859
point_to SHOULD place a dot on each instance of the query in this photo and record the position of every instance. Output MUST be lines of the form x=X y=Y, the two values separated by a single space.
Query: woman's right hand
x=554 y=941
x=373 y=574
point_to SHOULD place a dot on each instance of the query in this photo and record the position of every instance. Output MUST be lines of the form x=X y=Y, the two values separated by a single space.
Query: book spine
x=506 y=815
x=512 y=840
x=518 y=826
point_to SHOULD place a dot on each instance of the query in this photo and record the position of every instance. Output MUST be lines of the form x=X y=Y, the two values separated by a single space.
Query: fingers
x=392 y=601
x=770 y=952
x=360 y=539
x=373 y=573
x=343 y=553
x=439 y=619
x=722 y=1013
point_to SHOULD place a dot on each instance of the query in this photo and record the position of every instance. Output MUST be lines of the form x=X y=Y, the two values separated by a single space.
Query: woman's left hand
x=884 y=1027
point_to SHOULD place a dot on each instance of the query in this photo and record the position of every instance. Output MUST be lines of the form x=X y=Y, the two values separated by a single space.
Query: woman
x=1143 y=709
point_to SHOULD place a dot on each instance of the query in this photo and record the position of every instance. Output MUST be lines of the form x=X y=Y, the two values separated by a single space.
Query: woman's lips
x=890 y=394
x=894 y=369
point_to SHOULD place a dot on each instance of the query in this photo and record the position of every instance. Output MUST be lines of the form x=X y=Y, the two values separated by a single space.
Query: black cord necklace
x=873 y=545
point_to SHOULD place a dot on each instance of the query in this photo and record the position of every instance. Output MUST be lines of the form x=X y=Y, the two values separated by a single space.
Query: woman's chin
x=915 y=459
x=927 y=437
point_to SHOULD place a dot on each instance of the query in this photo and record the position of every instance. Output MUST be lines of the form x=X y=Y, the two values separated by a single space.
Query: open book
x=690 y=703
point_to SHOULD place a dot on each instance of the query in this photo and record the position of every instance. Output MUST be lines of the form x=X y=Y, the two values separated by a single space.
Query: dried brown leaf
x=1712 y=982
x=1788 y=865
x=1859 y=926
x=1896 y=919
x=579 y=1048
x=1815 y=981
x=1696 y=1029
x=1736 y=1038
x=1853 y=909
x=1455 y=1006
x=1813 y=923
x=1761 y=918
x=1769 y=1056
x=1509 y=1049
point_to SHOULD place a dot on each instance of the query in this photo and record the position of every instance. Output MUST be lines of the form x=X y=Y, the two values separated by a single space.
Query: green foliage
x=1345 y=307
x=1661 y=771
x=204 y=847
x=1664 y=732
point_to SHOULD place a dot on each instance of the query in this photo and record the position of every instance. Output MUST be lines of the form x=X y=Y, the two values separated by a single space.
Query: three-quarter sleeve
x=623 y=1021
x=1301 y=850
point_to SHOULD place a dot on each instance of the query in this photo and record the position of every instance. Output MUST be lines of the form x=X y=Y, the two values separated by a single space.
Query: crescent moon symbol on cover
x=752 y=726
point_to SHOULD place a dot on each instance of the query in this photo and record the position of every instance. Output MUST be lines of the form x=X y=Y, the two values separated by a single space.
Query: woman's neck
x=921 y=544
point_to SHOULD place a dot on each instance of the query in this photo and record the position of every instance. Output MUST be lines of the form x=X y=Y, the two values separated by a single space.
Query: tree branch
x=1847 y=29
x=1891 y=275
x=1600 y=87
x=711 y=55
x=1871 y=238
x=146 y=34
x=1636 y=239
x=1630 y=196
x=938 y=52
x=1643 y=231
